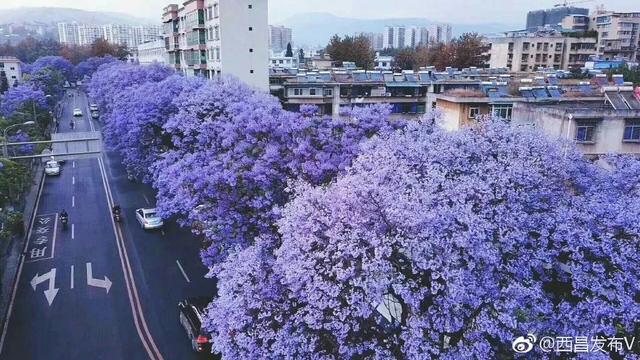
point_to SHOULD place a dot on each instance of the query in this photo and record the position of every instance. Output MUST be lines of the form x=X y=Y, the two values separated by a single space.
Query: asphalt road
x=71 y=314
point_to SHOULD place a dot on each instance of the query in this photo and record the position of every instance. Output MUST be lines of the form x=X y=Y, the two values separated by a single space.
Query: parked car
x=95 y=115
x=77 y=112
x=93 y=107
x=191 y=313
x=52 y=168
x=149 y=219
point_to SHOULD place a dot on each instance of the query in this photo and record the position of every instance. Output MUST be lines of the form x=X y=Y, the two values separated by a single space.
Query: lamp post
x=6 y=140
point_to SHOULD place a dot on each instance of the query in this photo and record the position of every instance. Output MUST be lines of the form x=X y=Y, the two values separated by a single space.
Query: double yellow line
x=132 y=291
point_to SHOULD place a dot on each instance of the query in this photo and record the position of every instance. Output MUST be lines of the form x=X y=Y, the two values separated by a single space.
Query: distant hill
x=52 y=15
x=313 y=29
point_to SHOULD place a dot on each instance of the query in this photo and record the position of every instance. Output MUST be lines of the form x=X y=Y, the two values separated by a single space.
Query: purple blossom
x=52 y=62
x=17 y=98
x=480 y=235
x=91 y=65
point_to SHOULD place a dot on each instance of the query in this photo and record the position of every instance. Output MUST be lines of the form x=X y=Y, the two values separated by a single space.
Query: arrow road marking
x=105 y=284
x=51 y=292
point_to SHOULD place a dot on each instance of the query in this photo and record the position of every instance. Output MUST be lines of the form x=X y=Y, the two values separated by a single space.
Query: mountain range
x=52 y=15
x=315 y=29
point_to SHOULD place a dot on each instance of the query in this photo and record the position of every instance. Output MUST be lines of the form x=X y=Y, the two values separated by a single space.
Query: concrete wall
x=555 y=123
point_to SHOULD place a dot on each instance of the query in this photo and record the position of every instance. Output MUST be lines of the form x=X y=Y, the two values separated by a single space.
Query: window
x=250 y=71
x=250 y=50
x=328 y=92
x=473 y=112
x=297 y=92
x=585 y=130
x=632 y=131
x=250 y=28
x=312 y=92
x=502 y=111
x=250 y=6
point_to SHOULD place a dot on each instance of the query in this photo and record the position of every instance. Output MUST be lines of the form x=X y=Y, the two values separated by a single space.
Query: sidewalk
x=11 y=253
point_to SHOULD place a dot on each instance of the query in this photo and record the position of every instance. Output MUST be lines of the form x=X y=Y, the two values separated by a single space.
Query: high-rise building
x=417 y=36
x=219 y=37
x=551 y=17
x=279 y=38
x=440 y=33
x=395 y=37
x=376 y=39
x=127 y=35
x=618 y=35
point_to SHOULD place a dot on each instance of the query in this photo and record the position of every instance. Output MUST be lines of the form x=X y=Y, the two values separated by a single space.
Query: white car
x=93 y=107
x=52 y=168
x=149 y=219
x=77 y=112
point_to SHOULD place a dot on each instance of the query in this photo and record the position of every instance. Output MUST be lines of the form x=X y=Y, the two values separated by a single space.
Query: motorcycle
x=72 y=125
x=65 y=221
x=116 y=213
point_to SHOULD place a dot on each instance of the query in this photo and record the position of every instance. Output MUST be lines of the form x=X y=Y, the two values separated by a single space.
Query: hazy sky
x=457 y=11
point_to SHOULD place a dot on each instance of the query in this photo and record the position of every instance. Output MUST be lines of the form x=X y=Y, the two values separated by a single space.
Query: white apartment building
x=11 y=67
x=152 y=52
x=219 y=37
x=279 y=38
x=127 y=35
x=440 y=33
x=618 y=34
x=394 y=37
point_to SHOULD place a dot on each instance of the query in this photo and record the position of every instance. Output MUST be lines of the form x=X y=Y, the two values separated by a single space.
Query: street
x=100 y=289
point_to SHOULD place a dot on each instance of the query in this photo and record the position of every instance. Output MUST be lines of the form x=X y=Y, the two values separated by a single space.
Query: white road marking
x=146 y=199
x=72 y=276
x=73 y=231
x=73 y=164
x=73 y=201
x=50 y=276
x=73 y=180
x=105 y=284
x=183 y=273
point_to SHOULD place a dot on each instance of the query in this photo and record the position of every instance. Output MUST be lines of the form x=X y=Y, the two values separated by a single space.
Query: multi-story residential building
x=418 y=36
x=12 y=70
x=440 y=33
x=279 y=38
x=376 y=40
x=526 y=52
x=394 y=37
x=553 y=17
x=284 y=62
x=215 y=37
x=618 y=34
x=127 y=35
x=153 y=51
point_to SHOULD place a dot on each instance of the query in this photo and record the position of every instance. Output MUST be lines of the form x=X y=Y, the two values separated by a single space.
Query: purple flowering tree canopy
x=443 y=245
x=52 y=62
x=91 y=65
x=17 y=98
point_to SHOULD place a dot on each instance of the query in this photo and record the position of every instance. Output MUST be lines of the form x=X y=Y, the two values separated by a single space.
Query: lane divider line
x=183 y=272
x=132 y=291
x=73 y=231
x=72 y=275
x=73 y=201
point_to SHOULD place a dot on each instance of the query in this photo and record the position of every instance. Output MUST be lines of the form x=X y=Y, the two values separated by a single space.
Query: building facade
x=552 y=17
x=11 y=68
x=440 y=33
x=527 y=52
x=219 y=37
x=618 y=34
x=126 y=35
x=279 y=37
x=152 y=52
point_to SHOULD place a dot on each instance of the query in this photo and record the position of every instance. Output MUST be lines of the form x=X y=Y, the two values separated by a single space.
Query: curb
x=14 y=252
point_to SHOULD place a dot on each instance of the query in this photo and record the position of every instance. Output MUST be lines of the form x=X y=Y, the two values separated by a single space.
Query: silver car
x=149 y=219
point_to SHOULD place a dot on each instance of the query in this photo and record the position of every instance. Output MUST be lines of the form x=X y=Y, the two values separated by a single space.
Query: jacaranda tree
x=135 y=127
x=234 y=151
x=91 y=65
x=444 y=245
x=22 y=97
x=113 y=78
x=52 y=62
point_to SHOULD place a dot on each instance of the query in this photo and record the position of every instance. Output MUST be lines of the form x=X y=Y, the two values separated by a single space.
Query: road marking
x=50 y=276
x=146 y=199
x=73 y=180
x=183 y=273
x=132 y=291
x=91 y=281
x=162 y=231
x=73 y=201
x=73 y=231
x=72 y=276
x=73 y=164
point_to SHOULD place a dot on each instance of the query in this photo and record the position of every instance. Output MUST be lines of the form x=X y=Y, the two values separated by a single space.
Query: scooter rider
x=64 y=217
x=115 y=210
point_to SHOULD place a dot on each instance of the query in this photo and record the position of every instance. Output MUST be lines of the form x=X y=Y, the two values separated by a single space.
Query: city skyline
x=280 y=10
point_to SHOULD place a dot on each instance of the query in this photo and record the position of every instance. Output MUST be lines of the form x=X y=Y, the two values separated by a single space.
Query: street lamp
x=6 y=140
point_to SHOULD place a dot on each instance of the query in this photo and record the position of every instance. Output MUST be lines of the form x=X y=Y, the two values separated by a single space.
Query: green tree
x=468 y=51
x=4 y=82
x=13 y=180
x=357 y=49
x=406 y=59
x=289 y=51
